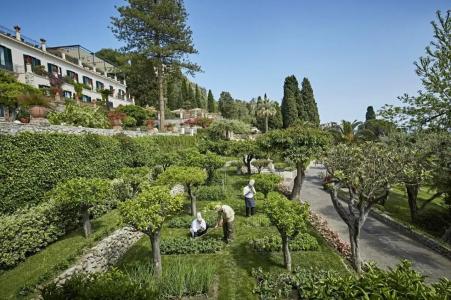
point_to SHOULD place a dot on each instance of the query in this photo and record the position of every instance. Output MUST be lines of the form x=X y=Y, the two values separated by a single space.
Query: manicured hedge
x=190 y=246
x=211 y=193
x=272 y=243
x=32 y=164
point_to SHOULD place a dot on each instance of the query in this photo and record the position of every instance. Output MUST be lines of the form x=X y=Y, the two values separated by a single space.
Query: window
x=99 y=86
x=121 y=94
x=30 y=60
x=85 y=98
x=72 y=75
x=53 y=69
x=6 y=60
x=87 y=81
x=67 y=94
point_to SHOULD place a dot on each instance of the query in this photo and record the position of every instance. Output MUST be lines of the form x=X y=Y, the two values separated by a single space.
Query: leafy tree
x=266 y=110
x=347 y=131
x=260 y=164
x=223 y=129
x=148 y=212
x=307 y=108
x=157 y=30
x=190 y=177
x=134 y=177
x=83 y=193
x=137 y=112
x=247 y=150
x=431 y=108
x=164 y=159
x=289 y=106
x=226 y=105
x=370 y=114
x=211 y=102
x=299 y=145
x=209 y=161
x=373 y=130
x=289 y=217
x=266 y=183
x=366 y=172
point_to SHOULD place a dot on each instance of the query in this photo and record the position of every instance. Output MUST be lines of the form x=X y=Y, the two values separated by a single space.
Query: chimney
x=43 y=44
x=17 y=28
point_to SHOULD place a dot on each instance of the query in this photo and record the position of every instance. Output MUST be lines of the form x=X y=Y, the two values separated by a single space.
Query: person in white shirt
x=198 y=226
x=249 y=193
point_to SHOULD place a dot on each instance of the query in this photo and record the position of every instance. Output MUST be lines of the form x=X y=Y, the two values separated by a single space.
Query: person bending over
x=226 y=216
x=198 y=226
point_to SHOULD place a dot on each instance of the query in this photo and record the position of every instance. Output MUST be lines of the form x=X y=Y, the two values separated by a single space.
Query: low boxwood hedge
x=273 y=243
x=187 y=245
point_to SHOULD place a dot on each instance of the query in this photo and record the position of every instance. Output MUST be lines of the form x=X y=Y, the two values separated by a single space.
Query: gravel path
x=379 y=242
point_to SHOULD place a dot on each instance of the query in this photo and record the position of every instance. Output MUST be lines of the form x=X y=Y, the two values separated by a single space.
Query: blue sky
x=355 y=53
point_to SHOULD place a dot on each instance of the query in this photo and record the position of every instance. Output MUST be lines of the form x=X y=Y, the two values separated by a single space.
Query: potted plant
x=36 y=103
x=116 y=119
x=23 y=115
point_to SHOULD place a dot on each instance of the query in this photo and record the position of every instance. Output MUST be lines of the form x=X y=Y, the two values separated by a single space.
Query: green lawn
x=36 y=269
x=236 y=261
x=432 y=219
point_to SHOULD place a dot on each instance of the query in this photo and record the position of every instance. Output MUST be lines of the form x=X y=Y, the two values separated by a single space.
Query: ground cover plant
x=272 y=243
x=186 y=245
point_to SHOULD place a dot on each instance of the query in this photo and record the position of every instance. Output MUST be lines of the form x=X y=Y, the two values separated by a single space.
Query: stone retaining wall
x=105 y=254
x=15 y=128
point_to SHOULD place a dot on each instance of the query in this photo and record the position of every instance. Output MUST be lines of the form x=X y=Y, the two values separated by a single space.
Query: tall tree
x=370 y=114
x=307 y=108
x=226 y=105
x=157 y=29
x=289 y=105
x=266 y=110
x=211 y=102
x=431 y=108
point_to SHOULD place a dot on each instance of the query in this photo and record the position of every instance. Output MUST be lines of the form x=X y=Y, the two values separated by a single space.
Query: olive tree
x=299 y=144
x=289 y=217
x=266 y=183
x=83 y=193
x=365 y=172
x=190 y=177
x=147 y=213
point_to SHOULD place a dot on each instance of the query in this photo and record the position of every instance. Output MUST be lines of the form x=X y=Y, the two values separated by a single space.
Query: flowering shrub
x=273 y=243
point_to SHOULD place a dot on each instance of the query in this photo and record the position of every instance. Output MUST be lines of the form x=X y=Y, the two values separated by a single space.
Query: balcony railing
x=12 y=34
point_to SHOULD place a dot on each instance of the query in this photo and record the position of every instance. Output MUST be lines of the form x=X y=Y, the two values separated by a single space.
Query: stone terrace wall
x=14 y=128
x=105 y=254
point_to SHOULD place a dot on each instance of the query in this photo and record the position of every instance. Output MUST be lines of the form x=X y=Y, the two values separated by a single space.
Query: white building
x=32 y=61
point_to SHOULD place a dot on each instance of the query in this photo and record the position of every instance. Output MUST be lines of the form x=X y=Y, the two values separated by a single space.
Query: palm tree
x=266 y=109
x=348 y=131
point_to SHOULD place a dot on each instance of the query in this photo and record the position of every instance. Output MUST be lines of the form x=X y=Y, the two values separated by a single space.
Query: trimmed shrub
x=260 y=164
x=78 y=115
x=266 y=183
x=273 y=243
x=129 y=122
x=257 y=221
x=190 y=246
x=138 y=114
x=211 y=193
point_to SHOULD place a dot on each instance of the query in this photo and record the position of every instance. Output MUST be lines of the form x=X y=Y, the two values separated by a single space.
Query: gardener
x=198 y=226
x=249 y=193
x=226 y=215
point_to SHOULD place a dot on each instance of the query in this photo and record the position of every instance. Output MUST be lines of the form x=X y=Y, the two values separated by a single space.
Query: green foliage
x=190 y=246
x=188 y=176
x=222 y=129
x=136 y=112
x=400 y=283
x=287 y=216
x=129 y=122
x=307 y=108
x=260 y=164
x=11 y=89
x=283 y=166
x=78 y=115
x=375 y=130
x=134 y=177
x=370 y=114
x=211 y=106
x=209 y=161
x=211 y=193
x=257 y=221
x=33 y=99
x=266 y=183
x=289 y=106
x=150 y=209
x=273 y=243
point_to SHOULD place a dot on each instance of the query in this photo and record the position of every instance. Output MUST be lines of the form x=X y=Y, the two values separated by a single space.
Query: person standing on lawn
x=198 y=226
x=226 y=216
x=249 y=193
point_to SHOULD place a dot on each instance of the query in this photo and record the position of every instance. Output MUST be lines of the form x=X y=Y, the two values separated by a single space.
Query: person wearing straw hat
x=198 y=226
x=226 y=216
x=249 y=200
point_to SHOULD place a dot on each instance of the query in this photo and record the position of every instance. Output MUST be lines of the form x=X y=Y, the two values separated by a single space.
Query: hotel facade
x=33 y=61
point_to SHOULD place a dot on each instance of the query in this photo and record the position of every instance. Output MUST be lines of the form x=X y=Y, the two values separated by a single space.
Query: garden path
x=379 y=242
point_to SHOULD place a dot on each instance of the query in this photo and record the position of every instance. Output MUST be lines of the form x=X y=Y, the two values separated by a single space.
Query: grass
x=235 y=262
x=432 y=219
x=39 y=268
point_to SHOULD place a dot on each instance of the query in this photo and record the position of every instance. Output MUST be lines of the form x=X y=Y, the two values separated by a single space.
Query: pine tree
x=157 y=29
x=309 y=109
x=211 y=102
x=370 y=114
x=289 y=105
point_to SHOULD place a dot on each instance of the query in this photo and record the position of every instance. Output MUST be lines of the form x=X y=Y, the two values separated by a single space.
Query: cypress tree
x=289 y=105
x=309 y=107
x=370 y=114
x=211 y=102
x=197 y=99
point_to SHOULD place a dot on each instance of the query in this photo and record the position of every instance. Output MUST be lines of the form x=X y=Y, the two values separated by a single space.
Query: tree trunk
x=86 y=222
x=192 y=197
x=161 y=98
x=248 y=164
x=412 y=195
x=286 y=253
x=156 y=255
x=354 y=236
x=266 y=124
x=298 y=180
x=447 y=235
